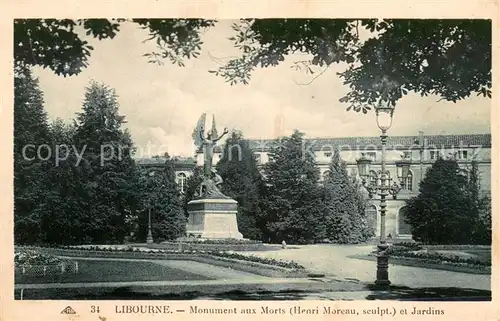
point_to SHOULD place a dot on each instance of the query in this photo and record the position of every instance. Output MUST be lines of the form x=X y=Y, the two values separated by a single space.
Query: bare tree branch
x=313 y=79
x=218 y=60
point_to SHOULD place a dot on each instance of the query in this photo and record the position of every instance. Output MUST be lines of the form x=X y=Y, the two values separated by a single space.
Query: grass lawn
x=483 y=255
x=113 y=271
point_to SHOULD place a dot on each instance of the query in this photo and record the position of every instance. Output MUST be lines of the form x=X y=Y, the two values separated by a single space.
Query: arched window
x=408 y=184
x=403 y=227
x=181 y=182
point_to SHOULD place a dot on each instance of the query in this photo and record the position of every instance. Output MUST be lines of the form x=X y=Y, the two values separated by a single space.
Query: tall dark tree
x=31 y=155
x=345 y=218
x=292 y=197
x=443 y=212
x=481 y=206
x=242 y=182
x=450 y=58
x=160 y=195
x=369 y=221
x=107 y=168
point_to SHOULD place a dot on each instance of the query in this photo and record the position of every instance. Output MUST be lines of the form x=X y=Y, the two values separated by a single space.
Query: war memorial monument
x=212 y=215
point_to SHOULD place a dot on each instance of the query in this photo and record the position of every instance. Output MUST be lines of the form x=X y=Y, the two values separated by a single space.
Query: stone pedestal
x=213 y=218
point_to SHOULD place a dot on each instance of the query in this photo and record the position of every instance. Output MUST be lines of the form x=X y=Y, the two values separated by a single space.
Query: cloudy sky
x=163 y=103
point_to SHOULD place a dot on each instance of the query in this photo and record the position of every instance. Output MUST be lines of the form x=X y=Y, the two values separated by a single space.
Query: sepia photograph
x=274 y=159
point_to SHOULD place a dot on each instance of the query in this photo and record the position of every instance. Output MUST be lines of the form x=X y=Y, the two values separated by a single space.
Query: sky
x=163 y=103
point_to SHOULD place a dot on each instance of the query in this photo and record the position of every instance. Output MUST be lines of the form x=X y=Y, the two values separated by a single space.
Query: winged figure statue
x=207 y=143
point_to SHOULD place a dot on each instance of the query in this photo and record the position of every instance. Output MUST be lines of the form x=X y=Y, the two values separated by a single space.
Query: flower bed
x=33 y=262
x=211 y=245
x=442 y=258
x=214 y=241
x=32 y=257
x=413 y=250
x=252 y=258
x=414 y=254
x=458 y=247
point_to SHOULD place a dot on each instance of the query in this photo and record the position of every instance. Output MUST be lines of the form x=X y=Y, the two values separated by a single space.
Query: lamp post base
x=382 y=265
x=149 y=239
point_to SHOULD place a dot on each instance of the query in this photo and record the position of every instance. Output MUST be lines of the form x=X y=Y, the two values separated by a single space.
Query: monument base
x=213 y=219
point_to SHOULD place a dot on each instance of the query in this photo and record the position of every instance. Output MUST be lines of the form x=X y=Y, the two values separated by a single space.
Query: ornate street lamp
x=364 y=167
x=403 y=168
x=384 y=112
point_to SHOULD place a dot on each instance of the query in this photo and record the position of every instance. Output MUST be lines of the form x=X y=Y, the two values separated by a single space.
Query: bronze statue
x=208 y=150
x=208 y=188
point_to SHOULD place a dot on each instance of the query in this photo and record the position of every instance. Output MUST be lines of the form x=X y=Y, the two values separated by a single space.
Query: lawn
x=483 y=255
x=112 y=271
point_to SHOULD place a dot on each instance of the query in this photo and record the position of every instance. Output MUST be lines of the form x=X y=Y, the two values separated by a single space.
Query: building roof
x=438 y=141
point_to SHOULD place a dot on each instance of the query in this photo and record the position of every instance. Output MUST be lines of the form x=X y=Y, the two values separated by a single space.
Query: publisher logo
x=68 y=310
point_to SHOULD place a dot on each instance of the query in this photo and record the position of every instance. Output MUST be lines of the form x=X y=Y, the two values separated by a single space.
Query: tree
x=242 y=182
x=62 y=215
x=444 y=57
x=362 y=203
x=481 y=207
x=61 y=46
x=292 y=198
x=160 y=195
x=31 y=156
x=107 y=168
x=443 y=212
x=345 y=219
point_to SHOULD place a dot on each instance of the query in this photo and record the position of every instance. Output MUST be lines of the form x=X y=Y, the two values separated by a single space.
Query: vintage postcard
x=252 y=160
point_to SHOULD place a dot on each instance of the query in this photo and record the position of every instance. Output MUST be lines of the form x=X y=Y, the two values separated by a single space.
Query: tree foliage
x=481 y=206
x=345 y=218
x=61 y=46
x=31 y=130
x=447 y=210
x=83 y=185
x=107 y=167
x=243 y=182
x=446 y=57
x=159 y=193
x=292 y=197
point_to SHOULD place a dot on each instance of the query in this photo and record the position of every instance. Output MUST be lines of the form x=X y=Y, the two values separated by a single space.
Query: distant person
x=283 y=244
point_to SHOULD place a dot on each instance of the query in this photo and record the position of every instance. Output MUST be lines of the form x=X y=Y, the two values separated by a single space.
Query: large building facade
x=422 y=150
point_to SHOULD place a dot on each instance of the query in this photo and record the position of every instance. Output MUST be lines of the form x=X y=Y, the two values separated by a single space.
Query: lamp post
x=384 y=113
x=149 y=239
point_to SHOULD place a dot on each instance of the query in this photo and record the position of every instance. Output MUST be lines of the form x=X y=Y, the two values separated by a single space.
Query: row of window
x=434 y=154
x=461 y=154
x=406 y=184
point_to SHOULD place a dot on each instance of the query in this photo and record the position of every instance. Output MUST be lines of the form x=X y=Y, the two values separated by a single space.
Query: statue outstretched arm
x=224 y=133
